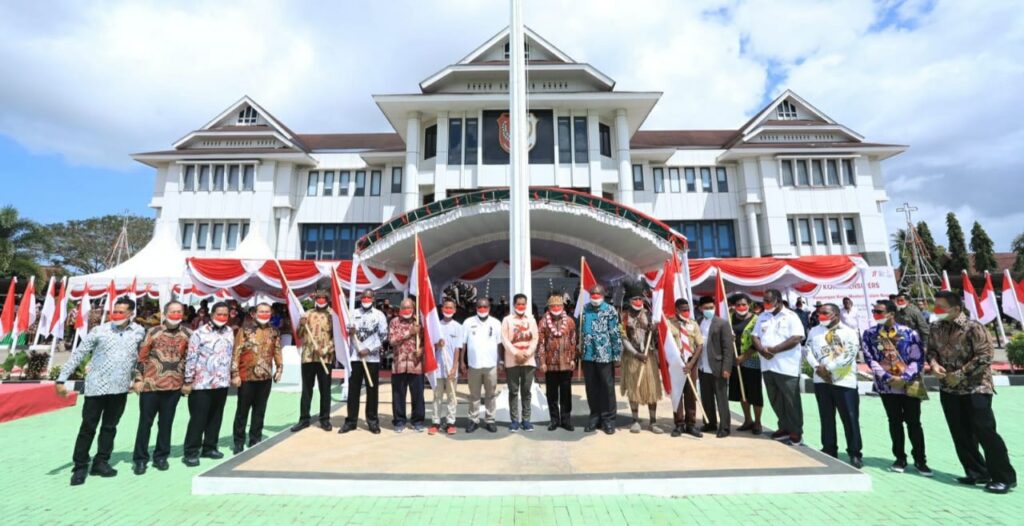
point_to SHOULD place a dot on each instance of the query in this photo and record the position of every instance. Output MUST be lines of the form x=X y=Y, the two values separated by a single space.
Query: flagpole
x=735 y=349
x=53 y=337
x=415 y=271
x=519 y=168
x=355 y=338
x=287 y=290
x=579 y=330
x=999 y=315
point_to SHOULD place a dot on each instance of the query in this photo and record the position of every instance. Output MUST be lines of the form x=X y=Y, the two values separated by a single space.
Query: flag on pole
x=47 y=312
x=27 y=309
x=295 y=310
x=1013 y=298
x=670 y=356
x=989 y=309
x=339 y=325
x=9 y=312
x=82 y=316
x=971 y=301
x=60 y=315
x=111 y=297
x=721 y=300
x=587 y=282
x=945 y=282
x=419 y=285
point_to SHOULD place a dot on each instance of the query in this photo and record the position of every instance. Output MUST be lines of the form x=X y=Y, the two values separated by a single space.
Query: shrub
x=54 y=372
x=1015 y=350
x=36 y=365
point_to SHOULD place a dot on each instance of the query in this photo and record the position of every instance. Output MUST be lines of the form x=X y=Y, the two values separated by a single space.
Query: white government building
x=790 y=181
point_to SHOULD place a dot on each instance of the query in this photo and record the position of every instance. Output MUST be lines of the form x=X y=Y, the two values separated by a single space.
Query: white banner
x=881 y=283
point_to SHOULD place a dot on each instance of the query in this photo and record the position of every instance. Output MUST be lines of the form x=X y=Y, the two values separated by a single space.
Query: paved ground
x=35 y=458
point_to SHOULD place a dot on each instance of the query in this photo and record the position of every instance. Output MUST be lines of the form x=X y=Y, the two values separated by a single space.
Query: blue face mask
x=708 y=313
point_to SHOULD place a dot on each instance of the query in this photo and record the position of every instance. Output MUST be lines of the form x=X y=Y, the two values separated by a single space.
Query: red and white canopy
x=804 y=274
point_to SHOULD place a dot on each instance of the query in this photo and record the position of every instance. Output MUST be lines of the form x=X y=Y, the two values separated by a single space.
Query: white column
x=441 y=160
x=519 y=167
x=625 y=161
x=410 y=185
x=752 y=234
x=593 y=154
x=284 y=219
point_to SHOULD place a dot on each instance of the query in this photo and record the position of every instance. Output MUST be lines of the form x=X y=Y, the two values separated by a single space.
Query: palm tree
x=20 y=241
x=899 y=245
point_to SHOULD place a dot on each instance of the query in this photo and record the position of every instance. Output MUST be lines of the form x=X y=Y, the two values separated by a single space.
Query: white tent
x=157 y=267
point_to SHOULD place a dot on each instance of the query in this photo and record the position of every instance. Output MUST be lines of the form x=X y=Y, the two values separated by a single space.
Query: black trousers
x=845 y=401
x=252 y=396
x=971 y=422
x=400 y=385
x=314 y=372
x=558 y=388
x=104 y=411
x=599 y=379
x=901 y=409
x=714 y=392
x=152 y=404
x=205 y=413
x=357 y=378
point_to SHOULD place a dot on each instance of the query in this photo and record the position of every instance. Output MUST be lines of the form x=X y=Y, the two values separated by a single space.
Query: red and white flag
x=1013 y=298
x=27 y=309
x=339 y=325
x=989 y=308
x=10 y=311
x=945 y=282
x=47 y=312
x=82 y=312
x=978 y=311
x=587 y=282
x=60 y=314
x=419 y=286
x=671 y=356
x=721 y=300
x=295 y=310
x=111 y=297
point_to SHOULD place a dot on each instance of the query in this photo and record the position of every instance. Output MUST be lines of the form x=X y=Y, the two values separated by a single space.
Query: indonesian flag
x=721 y=300
x=7 y=316
x=989 y=307
x=46 y=314
x=27 y=308
x=670 y=357
x=981 y=308
x=60 y=315
x=82 y=316
x=945 y=282
x=587 y=282
x=419 y=286
x=1013 y=298
x=111 y=297
x=339 y=325
x=295 y=310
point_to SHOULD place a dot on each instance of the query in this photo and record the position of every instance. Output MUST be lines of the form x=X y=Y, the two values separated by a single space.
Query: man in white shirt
x=832 y=352
x=848 y=315
x=483 y=342
x=370 y=330
x=777 y=338
x=449 y=355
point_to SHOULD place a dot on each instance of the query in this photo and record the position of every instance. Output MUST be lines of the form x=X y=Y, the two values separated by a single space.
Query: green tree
x=931 y=250
x=1018 y=263
x=957 y=245
x=984 y=253
x=21 y=242
x=81 y=246
x=900 y=248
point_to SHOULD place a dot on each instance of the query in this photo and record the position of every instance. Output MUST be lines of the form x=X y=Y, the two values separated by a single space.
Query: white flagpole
x=999 y=314
x=354 y=274
x=520 y=272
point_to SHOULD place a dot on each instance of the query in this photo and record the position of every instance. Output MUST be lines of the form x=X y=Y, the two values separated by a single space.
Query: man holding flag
x=690 y=344
x=370 y=328
x=449 y=356
x=405 y=337
x=317 y=341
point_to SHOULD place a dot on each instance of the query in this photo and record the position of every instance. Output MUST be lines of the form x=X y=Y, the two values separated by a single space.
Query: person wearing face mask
x=406 y=337
x=316 y=332
x=159 y=376
x=896 y=357
x=448 y=351
x=777 y=337
x=848 y=315
x=483 y=343
x=602 y=348
x=557 y=353
x=641 y=379
x=743 y=322
x=207 y=377
x=715 y=366
x=690 y=343
x=519 y=338
x=370 y=328
x=960 y=354
x=255 y=361
x=114 y=348
x=832 y=353
x=908 y=315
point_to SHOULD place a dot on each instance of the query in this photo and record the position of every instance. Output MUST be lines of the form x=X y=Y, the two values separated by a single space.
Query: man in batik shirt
x=406 y=337
x=690 y=342
x=207 y=377
x=317 y=337
x=256 y=359
x=832 y=353
x=556 y=347
x=158 y=380
x=960 y=353
x=602 y=348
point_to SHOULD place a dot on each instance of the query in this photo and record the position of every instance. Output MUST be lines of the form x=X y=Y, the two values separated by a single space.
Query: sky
x=85 y=84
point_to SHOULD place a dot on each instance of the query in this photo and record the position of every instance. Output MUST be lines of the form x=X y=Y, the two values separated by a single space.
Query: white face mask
x=597 y=302
x=367 y=305
x=941 y=317
x=120 y=323
x=219 y=324
x=172 y=323
x=521 y=311
x=319 y=306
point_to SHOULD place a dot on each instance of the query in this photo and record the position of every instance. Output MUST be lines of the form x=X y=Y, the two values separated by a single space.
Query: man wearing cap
x=641 y=381
x=519 y=338
x=690 y=342
x=556 y=347
x=483 y=343
x=317 y=337
x=370 y=329
x=602 y=347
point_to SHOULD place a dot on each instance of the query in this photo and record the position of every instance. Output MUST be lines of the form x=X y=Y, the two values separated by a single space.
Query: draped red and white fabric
x=587 y=282
x=1013 y=298
x=420 y=287
x=671 y=356
x=243 y=278
x=981 y=308
x=757 y=273
x=9 y=312
x=27 y=309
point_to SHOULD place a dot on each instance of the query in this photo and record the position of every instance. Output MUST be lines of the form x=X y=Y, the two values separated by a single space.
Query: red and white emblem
x=505 y=131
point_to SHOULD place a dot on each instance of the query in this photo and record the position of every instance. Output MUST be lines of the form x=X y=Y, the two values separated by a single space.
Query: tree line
x=955 y=256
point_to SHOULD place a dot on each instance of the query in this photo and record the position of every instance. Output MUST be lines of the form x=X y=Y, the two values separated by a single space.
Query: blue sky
x=88 y=83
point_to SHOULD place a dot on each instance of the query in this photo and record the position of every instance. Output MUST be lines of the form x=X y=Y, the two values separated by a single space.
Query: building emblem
x=505 y=131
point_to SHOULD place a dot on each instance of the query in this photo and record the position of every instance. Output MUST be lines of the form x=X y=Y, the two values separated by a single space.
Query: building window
x=217 y=237
x=708 y=239
x=832 y=169
x=202 y=235
x=218 y=178
x=232 y=240
x=818 y=177
x=851 y=231
x=805 y=231
x=187 y=232
x=375 y=182
x=332 y=241
x=792 y=232
x=691 y=179
x=314 y=179
x=247 y=117
x=786 y=111
x=472 y=139
x=430 y=142
x=848 y=172
x=360 y=184
x=673 y=180
x=638 y=177
x=564 y=141
x=328 y=183
x=396 y=171
x=343 y=181
x=819 y=231
x=248 y=178
x=455 y=141
x=835 y=234
x=579 y=136
x=204 y=178
x=604 y=133
x=233 y=178
x=723 y=180
x=705 y=180
x=526 y=51
x=188 y=179
x=659 y=179
x=787 y=173
x=802 y=177
x=245 y=230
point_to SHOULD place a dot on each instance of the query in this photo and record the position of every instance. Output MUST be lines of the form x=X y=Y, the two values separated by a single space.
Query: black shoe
x=971 y=481
x=568 y=426
x=708 y=428
x=857 y=462
x=78 y=476
x=103 y=469
x=589 y=428
x=722 y=433
x=254 y=442
x=139 y=468
x=677 y=432
x=190 y=461
x=213 y=453
x=999 y=488
x=552 y=426
x=347 y=426
x=609 y=430
x=237 y=448
x=693 y=431
x=923 y=469
x=491 y=428
x=325 y=425
x=899 y=466
x=374 y=428
x=473 y=426
x=303 y=424
x=161 y=465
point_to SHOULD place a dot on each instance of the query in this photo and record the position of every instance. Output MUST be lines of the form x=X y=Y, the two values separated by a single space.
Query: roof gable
x=494 y=49
x=245 y=117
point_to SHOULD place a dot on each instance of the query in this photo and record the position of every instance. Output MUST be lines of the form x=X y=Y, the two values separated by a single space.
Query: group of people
x=725 y=359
